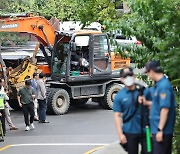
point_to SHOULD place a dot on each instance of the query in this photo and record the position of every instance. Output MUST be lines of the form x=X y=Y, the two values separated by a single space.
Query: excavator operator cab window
x=80 y=57
x=60 y=59
x=75 y=58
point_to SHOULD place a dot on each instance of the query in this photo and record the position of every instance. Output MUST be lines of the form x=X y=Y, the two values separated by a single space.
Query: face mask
x=129 y=80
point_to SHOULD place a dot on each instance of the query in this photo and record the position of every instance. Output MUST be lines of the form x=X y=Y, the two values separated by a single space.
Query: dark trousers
x=2 y=118
x=133 y=141
x=42 y=109
x=28 y=109
x=164 y=147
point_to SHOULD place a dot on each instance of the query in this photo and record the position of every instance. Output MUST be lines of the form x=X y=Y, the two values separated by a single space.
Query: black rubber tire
x=48 y=98
x=58 y=101
x=107 y=101
x=79 y=102
x=13 y=103
x=49 y=91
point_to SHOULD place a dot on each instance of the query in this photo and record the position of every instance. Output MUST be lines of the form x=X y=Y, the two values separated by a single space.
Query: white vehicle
x=76 y=25
x=70 y=25
x=94 y=26
x=124 y=40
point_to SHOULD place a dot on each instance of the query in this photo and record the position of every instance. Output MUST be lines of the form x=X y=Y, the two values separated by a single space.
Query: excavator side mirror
x=73 y=46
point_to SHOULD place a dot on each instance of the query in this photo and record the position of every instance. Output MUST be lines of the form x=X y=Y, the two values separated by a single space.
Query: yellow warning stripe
x=93 y=150
x=5 y=147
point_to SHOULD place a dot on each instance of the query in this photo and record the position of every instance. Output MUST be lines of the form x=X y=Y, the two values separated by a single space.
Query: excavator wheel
x=49 y=90
x=107 y=101
x=48 y=96
x=58 y=101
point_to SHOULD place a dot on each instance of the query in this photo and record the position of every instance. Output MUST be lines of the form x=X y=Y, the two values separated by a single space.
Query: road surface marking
x=56 y=144
x=61 y=144
x=5 y=147
x=93 y=150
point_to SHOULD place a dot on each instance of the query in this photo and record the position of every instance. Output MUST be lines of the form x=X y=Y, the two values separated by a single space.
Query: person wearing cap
x=127 y=114
x=162 y=113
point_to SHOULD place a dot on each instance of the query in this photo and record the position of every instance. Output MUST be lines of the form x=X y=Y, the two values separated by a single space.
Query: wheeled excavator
x=93 y=74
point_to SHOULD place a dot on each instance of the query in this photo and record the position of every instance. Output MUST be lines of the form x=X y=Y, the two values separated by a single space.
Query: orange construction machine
x=80 y=62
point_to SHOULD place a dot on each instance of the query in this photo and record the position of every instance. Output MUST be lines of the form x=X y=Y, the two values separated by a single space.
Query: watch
x=159 y=130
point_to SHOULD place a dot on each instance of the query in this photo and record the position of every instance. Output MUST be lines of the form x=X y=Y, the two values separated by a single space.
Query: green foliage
x=86 y=11
x=176 y=83
x=156 y=24
x=61 y=9
x=95 y=10
x=12 y=38
x=176 y=140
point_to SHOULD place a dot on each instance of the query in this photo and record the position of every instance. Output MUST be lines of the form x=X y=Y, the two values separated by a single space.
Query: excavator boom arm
x=37 y=25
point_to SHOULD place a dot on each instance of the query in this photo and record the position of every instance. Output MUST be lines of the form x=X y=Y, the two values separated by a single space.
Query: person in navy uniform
x=162 y=113
x=127 y=114
x=148 y=96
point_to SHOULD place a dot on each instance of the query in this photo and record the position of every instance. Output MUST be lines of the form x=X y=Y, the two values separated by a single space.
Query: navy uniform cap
x=153 y=65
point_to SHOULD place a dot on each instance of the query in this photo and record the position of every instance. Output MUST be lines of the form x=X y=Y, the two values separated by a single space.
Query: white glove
x=84 y=62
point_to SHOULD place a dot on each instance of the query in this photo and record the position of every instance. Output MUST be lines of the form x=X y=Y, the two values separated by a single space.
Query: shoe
x=36 y=119
x=32 y=126
x=13 y=128
x=44 y=121
x=1 y=140
x=27 y=128
x=40 y=121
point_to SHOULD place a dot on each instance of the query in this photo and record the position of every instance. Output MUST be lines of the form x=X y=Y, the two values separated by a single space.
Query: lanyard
x=133 y=102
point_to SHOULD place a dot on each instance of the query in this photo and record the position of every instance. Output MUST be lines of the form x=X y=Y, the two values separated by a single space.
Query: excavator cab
x=81 y=56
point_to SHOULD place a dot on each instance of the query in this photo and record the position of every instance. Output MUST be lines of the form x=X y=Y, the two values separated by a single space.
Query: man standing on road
x=6 y=109
x=25 y=98
x=34 y=85
x=41 y=97
x=162 y=113
x=127 y=114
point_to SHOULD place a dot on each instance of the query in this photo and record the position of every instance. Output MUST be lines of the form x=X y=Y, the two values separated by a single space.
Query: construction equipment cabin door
x=101 y=55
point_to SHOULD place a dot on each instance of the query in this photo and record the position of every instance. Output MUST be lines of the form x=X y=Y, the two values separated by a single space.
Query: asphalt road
x=80 y=130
